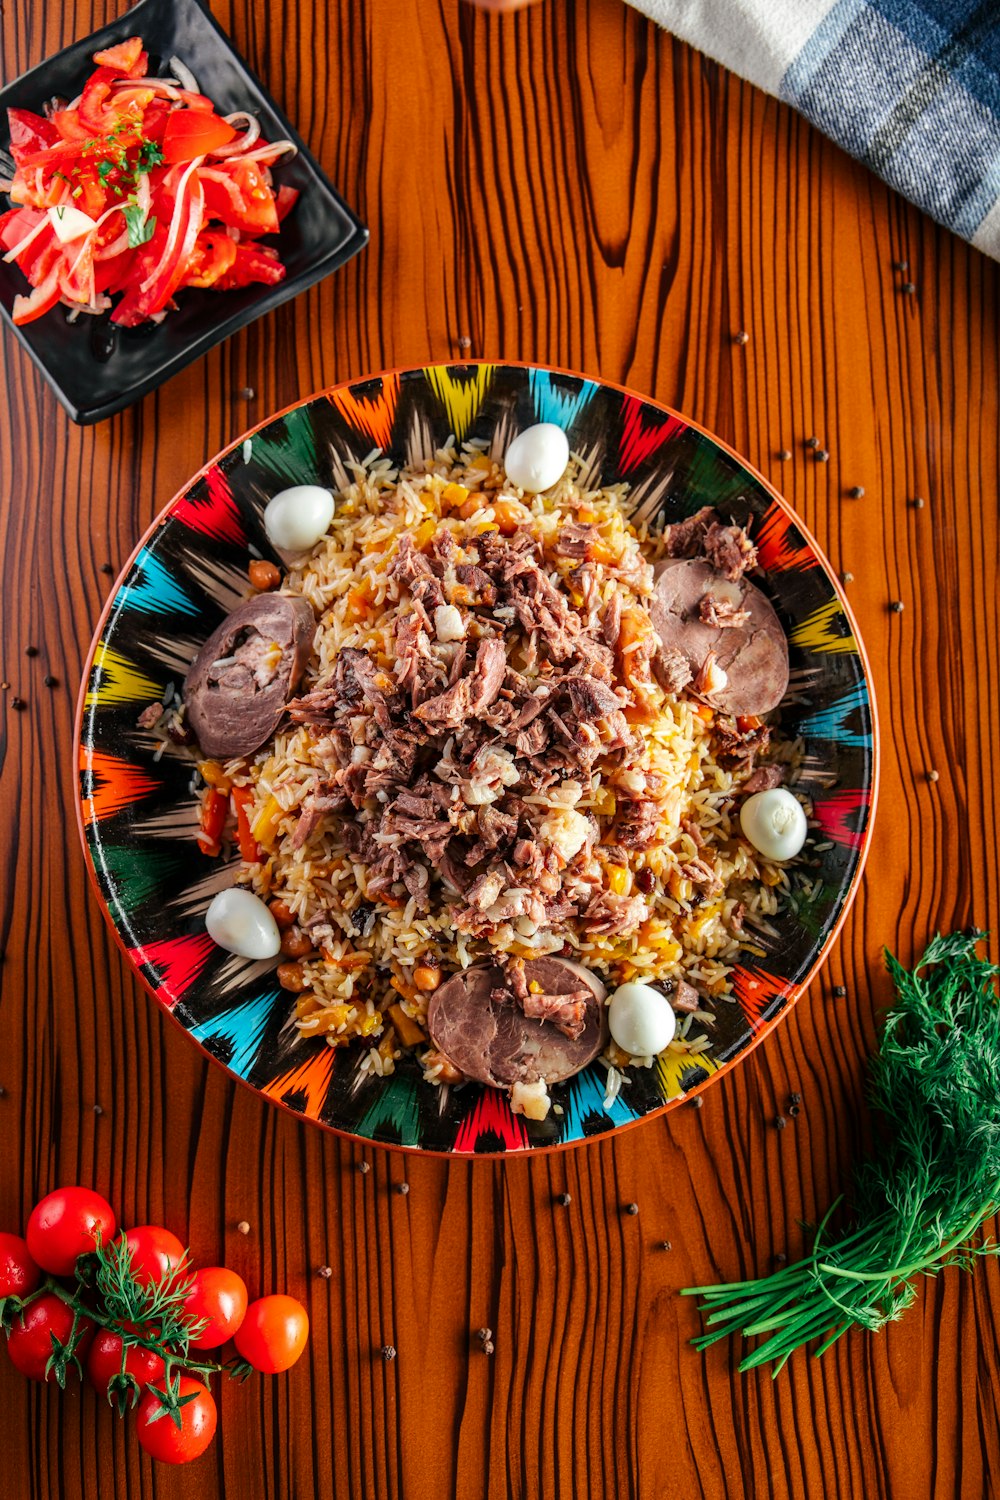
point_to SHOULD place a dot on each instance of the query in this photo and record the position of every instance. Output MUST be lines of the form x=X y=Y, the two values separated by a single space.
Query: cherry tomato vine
x=140 y=1316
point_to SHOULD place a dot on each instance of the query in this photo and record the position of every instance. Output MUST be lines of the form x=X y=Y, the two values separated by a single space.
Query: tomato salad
x=138 y=187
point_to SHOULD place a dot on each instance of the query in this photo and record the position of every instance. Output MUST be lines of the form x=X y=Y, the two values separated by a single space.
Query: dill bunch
x=931 y=1182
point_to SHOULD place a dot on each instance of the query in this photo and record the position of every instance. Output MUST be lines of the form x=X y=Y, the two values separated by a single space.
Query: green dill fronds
x=932 y=1180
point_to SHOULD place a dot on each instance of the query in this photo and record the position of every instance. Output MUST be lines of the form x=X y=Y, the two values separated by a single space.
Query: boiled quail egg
x=295 y=519
x=240 y=922
x=642 y=1020
x=774 y=823
x=537 y=457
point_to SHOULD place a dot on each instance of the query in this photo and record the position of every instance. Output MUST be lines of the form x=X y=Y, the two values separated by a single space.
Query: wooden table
x=570 y=186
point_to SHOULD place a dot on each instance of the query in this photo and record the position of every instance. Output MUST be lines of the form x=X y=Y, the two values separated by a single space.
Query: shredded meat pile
x=428 y=764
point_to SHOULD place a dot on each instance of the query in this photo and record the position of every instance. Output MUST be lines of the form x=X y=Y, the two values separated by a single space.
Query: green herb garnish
x=149 y=155
x=140 y=229
x=104 y=170
x=931 y=1183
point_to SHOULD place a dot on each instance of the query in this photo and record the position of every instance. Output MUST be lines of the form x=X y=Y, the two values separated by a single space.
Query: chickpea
x=282 y=913
x=263 y=576
x=295 y=943
x=426 y=977
x=292 y=977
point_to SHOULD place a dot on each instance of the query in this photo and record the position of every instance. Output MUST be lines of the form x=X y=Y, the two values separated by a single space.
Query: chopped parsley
x=149 y=155
x=140 y=229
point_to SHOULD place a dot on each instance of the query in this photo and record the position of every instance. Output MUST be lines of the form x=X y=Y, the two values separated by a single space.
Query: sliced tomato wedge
x=253 y=263
x=285 y=201
x=121 y=58
x=47 y=289
x=237 y=193
x=16 y=224
x=93 y=99
x=192 y=132
x=114 y=272
x=30 y=133
x=213 y=255
x=69 y=126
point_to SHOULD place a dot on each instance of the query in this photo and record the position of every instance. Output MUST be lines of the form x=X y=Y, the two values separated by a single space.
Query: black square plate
x=319 y=235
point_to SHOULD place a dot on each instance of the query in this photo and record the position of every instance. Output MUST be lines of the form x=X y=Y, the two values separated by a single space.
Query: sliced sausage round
x=751 y=648
x=476 y=1021
x=239 y=683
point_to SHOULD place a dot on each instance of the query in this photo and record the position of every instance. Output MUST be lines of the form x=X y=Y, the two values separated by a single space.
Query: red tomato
x=17 y=223
x=285 y=201
x=45 y=296
x=29 y=1343
x=273 y=1334
x=192 y=132
x=213 y=255
x=220 y=1296
x=237 y=193
x=155 y=1252
x=67 y=1223
x=29 y=132
x=19 y=1274
x=105 y=1361
x=170 y=1444
x=121 y=58
x=253 y=263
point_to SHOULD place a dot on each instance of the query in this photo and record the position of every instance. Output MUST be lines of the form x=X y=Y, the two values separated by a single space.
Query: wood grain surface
x=572 y=186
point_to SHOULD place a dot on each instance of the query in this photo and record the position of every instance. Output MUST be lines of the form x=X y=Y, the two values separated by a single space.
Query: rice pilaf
x=623 y=853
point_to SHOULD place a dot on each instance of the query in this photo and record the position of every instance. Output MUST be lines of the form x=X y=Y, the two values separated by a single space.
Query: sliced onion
x=184 y=76
x=273 y=149
x=242 y=142
x=181 y=210
x=28 y=239
x=156 y=85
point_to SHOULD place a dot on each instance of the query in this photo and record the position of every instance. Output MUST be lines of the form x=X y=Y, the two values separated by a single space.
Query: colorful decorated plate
x=139 y=812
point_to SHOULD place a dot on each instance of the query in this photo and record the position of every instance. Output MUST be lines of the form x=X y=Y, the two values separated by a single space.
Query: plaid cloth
x=909 y=87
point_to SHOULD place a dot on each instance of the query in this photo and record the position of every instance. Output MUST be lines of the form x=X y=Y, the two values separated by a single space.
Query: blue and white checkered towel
x=909 y=87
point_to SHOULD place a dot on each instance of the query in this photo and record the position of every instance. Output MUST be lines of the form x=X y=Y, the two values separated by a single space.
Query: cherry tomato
x=192 y=132
x=177 y=1445
x=220 y=1296
x=19 y=1274
x=273 y=1334
x=29 y=1343
x=66 y=1224
x=155 y=1252
x=105 y=1361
